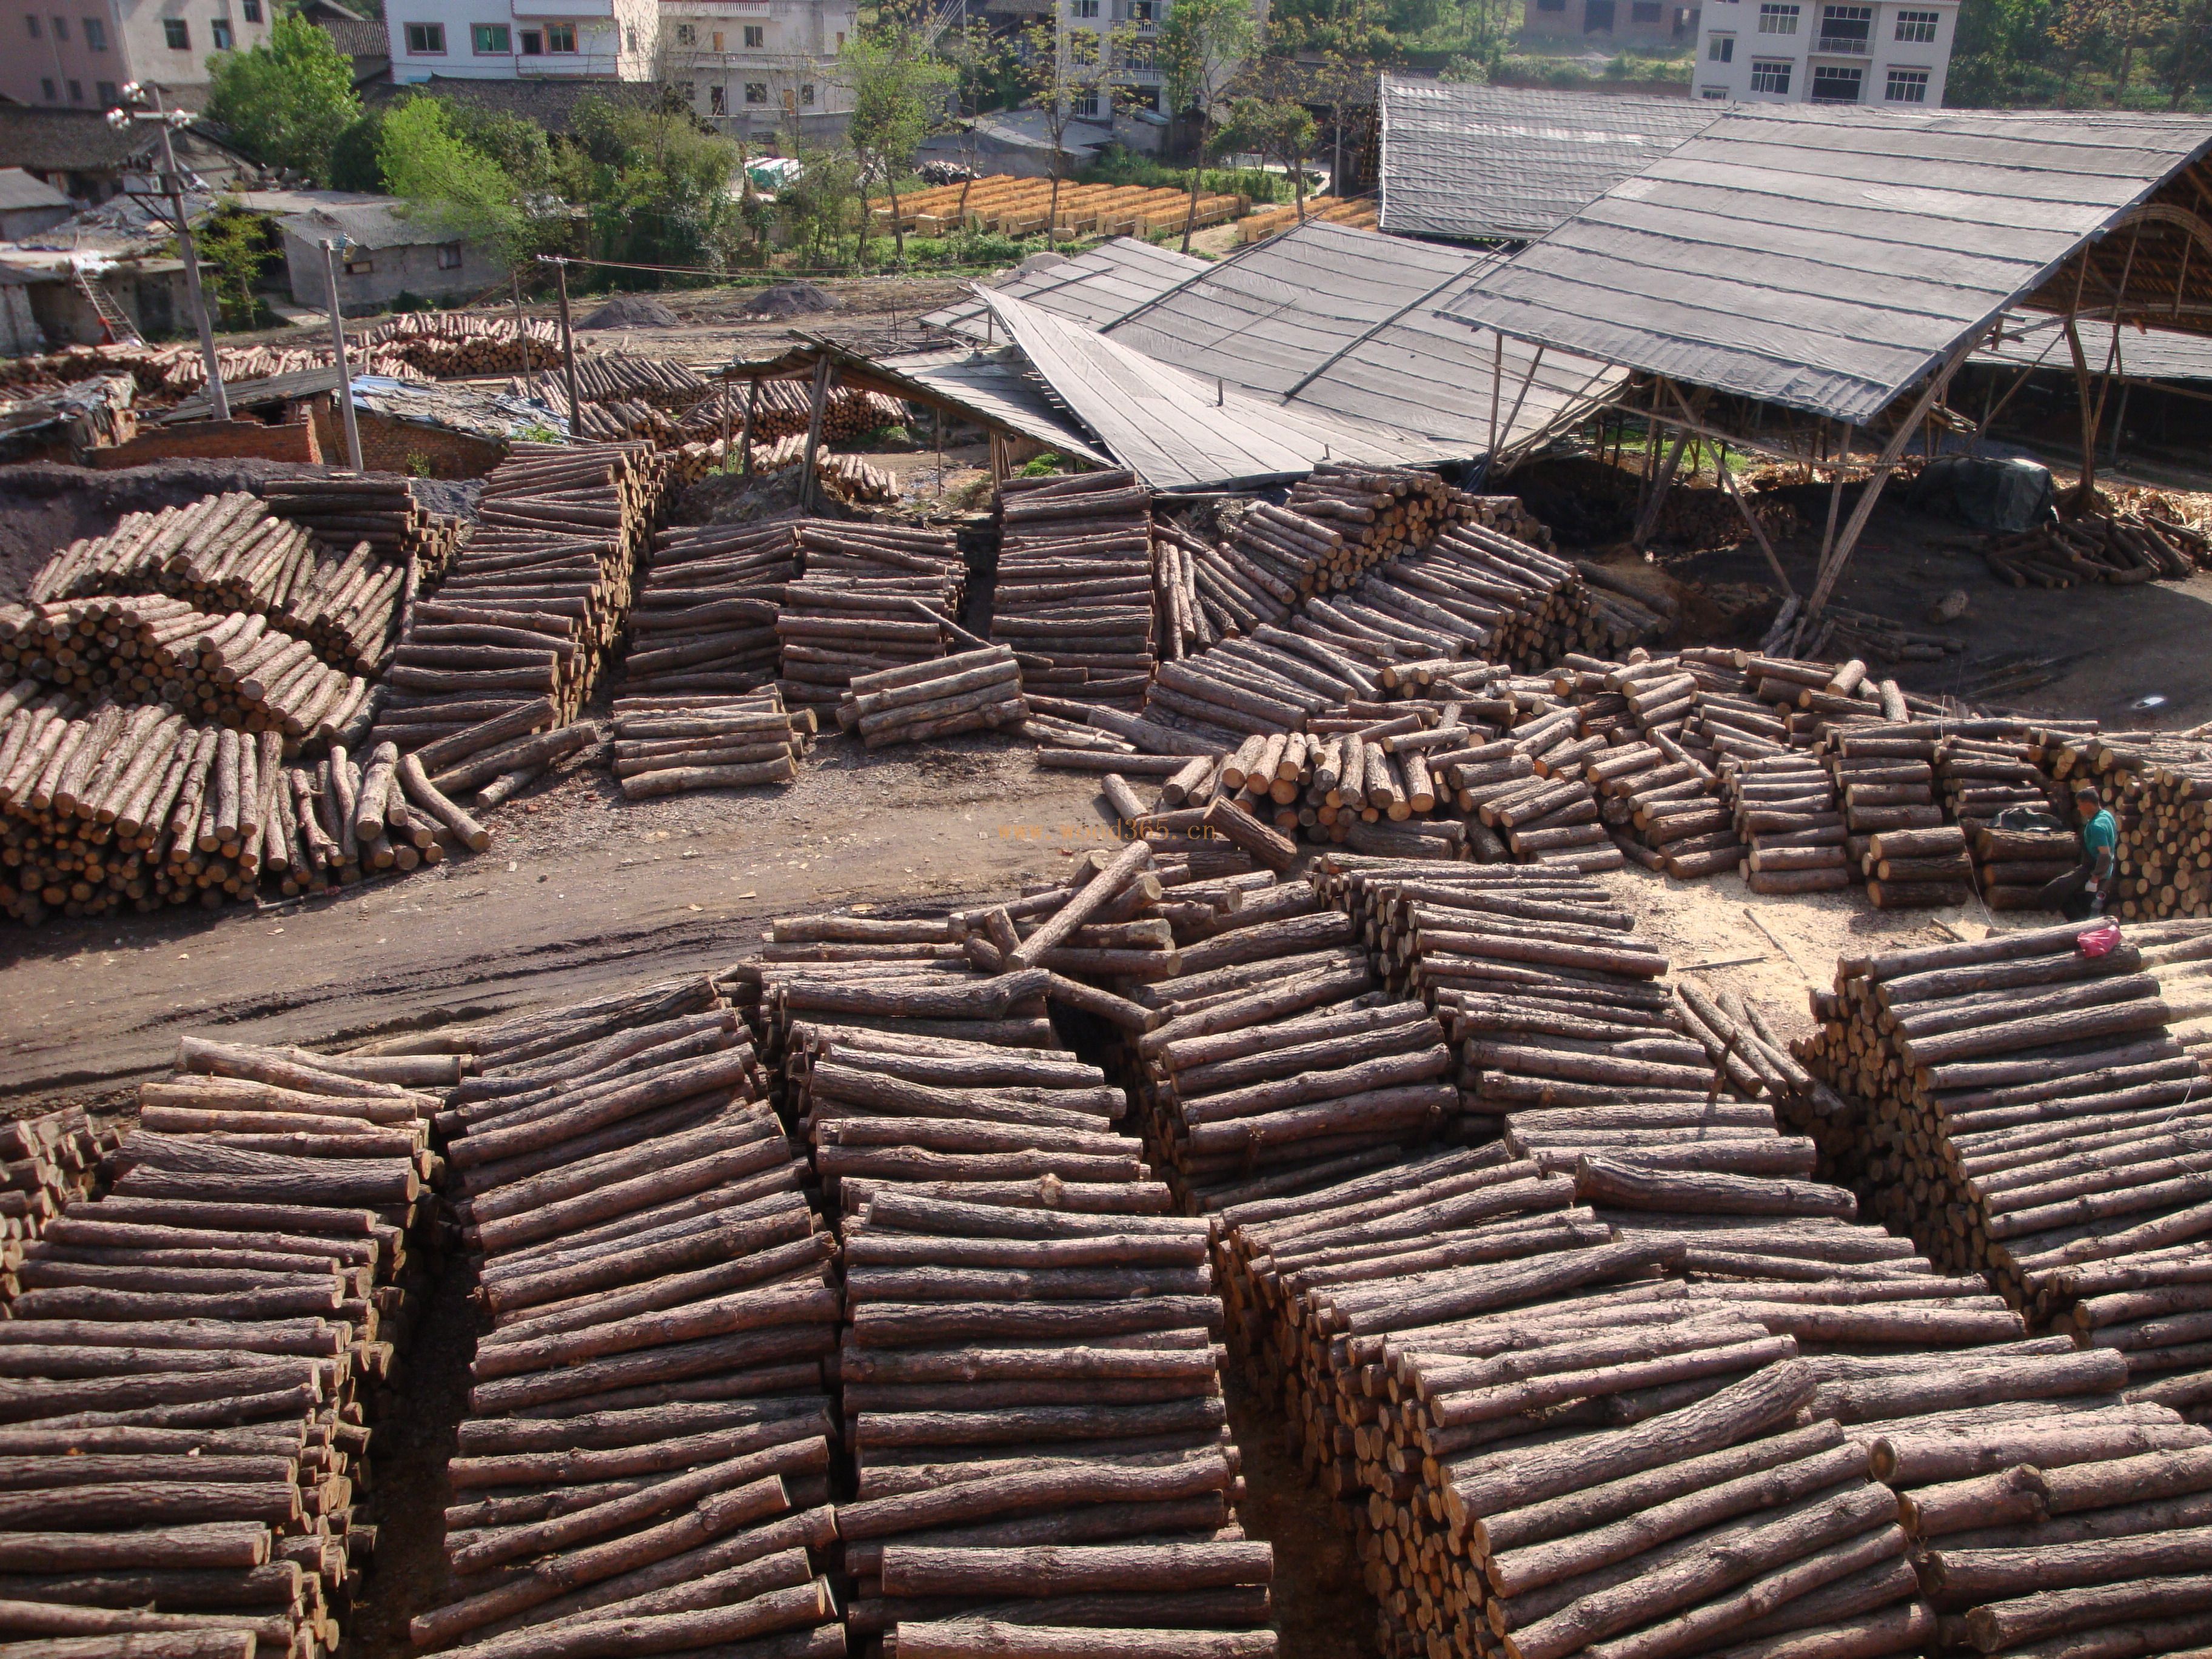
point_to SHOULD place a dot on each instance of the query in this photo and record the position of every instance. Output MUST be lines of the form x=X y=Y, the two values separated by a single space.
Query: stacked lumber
x=1985 y=767
x=1907 y=869
x=1021 y=206
x=612 y=421
x=1377 y=512
x=2025 y=1104
x=345 y=509
x=782 y=409
x=47 y=1163
x=644 y=1463
x=873 y=597
x=235 y=554
x=1784 y=806
x=459 y=343
x=2158 y=787
x=2013 y=866
x=494 y=755
x=2120 y=547
x=852 y=479
x=1074 y=598
x=1359 y=212
x=971 y=691
x=705 y=616
x=197 y=1359
x=1546 y=609
x=233 y=669
x=538 y=595
x=618 y=381
x=1185 y=625
x=668 y=745
x=1659 y=797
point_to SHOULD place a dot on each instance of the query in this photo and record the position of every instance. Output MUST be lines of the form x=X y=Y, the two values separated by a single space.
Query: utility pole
x=521 y=322
x=338 y=348
x=568 y=345
x=172 y=186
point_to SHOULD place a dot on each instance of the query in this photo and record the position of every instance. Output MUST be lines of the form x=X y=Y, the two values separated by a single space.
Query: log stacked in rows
x=613 y=420
x=2122 y=548
x=459 y=343
x=1784 y=807
x=873 y=597
x=668 y=745
x=1074 y=597
x=236 y=554
x=971 y=691
x=1185 y=623
x=231 y=669
x=344 y=509
x=47 y=1163
x=1659 y=794
x=1986 y=768
x=538 y=595
x=1377 y=512
x=782 y=409
x=2159 y=789
x=2012 y=866
x=615 y=381
x=705 y=616
x=2027 y=1108
x=197 y=1359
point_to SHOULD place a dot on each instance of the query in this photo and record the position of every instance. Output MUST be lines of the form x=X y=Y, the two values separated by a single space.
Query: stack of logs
x=2158 y=787
x=2123 y=547
x=705 y=618
x=1377 y=512
x=1784 y=807
x=46 y=1162
x=1074 y=597
x=234 y=553
x=344 y=509
x=644 y=1464
x=234 y=670
x=538 y=595
x=197 y=1359
x=623 y=380
x=973 y=692
x=459 y=343
x=873 y=597
x=669 y=745
x=781 y=409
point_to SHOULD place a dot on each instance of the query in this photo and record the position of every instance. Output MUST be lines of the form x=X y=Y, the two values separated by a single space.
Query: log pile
x=235 y=554
x=705 y=616
x=781 y=409
x=1074 y=598
x=1985 y=767
x=615 y=380
x=343 y=509
x=197 y=1359
x=2120 y=547
x=1376 y=511
x=613 y=420
x=1659 y=797
x=47 y=1163
x=971 y=691
x=1785 y=808
x=672 y=744
x=873 y=597
x=644 y=1464
x=231 y=669
x=2158 y=787
x=459 y=343
x=539 y=594
x=2026 y=1107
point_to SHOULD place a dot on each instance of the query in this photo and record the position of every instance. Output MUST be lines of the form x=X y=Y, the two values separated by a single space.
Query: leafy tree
x=818 y=203
x=656 y=183
x=1203 y=45
x=1280 y=129
x=449 y=182
x=984 y=71
x=1061 y=68
x=287 y=102
x=233 y=245
x=354 y=164
x=900 y=88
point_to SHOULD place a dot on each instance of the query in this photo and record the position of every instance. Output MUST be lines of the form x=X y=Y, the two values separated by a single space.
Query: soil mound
x=788 y=299
x=632 y=311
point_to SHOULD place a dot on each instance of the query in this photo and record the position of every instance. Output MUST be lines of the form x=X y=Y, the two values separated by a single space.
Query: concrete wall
x=487 y=40
x=391 y=272
x=127 y=43
x=705 y=57
x=20 y=333
x=1658 y=25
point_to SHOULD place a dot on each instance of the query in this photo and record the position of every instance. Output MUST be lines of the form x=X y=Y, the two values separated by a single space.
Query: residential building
x=387 y=254
x=754 y=68
x=1892 y=53
x=1659 y=26
x=29 y=205
x=362 y=39
x=520 y=40
x=77 y=152
x=1133 y=95
x=76 y=54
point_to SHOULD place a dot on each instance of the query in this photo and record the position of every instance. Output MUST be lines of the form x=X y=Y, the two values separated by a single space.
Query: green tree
x=818 y=203
x=900 y=88
x=984 y=75
x=1063 y=71
x=233 y=245
x=1280 y=129
x=354 y=164
x=286 y=103
x=449 y=182
x=1203 y=45
x=655 y=184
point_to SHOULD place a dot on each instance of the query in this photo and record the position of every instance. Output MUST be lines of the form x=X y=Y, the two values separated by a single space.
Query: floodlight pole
x=338 y=347
x=173 y=184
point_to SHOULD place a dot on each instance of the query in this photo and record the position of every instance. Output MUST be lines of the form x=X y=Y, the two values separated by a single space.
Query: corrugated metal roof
x=998 y=389
x=2157 y=354
x=1094 y=287
x=1826 y=258
x=1510 y=163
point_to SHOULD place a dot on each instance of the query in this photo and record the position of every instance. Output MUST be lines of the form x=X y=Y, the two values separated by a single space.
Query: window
x=629 y=37
x=533 y=43
x=718 y=39
x=1846 y=29
x=686 y=35
x=96 y=35
x=1906 y=86
x=32 y=21
x=176 y=34
x=1712 y=92
x=76 y=92
x=1837 y=83
x=1720 y=49
x=1086 y=105
x=1645 y=11
x=1917 y=26
x=560 y=37
x=718 y=101
x=358 y=262
x=1141 y=11
x=1551 y=5
x=221 y=27
x=1770 y=75
x=755 y=92
x=1083 y=47
x=1778 y=19
x=1597 y=16
x=47 y=91
x=109 y=97
x=489 y=39
x=806 y=95
x=1087 y=7
x=252 y=10
x=841 y=40
x=449 y=256
x=756 y=36
x=61 y=28
x=425 y=39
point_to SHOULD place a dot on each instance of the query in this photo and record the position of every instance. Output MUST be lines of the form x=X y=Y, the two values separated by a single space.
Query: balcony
x=1843 y=45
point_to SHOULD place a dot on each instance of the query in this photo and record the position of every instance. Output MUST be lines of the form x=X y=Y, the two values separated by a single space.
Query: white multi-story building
x=1132 y=85
x=511 y=39
x=749 y=67
x=1890 y=52
x=78 y=54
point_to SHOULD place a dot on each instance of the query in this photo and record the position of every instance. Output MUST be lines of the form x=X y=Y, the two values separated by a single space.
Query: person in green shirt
x=2087 y=891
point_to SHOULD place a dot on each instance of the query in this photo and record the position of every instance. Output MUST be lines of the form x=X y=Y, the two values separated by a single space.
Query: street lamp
x=166 y=121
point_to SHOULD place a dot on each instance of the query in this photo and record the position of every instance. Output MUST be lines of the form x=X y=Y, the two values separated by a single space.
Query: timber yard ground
x=582 y=892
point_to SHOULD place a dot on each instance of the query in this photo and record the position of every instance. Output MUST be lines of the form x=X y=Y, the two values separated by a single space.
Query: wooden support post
x=809 y=491
x=746 y=435
x=568 y=351
x=521 y=321
x=1757 y=529
x=1648 y=520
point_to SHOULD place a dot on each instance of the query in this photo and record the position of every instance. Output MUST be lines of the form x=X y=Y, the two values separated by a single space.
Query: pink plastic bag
x=2099 y=941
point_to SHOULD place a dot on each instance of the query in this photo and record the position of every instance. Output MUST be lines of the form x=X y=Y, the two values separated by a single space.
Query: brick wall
x=389 y=445
x=228 y=440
